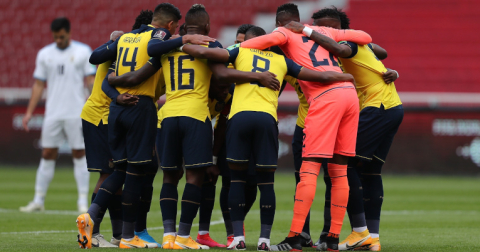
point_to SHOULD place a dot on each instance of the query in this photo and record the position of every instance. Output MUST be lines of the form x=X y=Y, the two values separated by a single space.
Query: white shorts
x=55 y=132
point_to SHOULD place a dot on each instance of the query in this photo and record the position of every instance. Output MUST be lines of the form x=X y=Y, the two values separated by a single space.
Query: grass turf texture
x=420 y=213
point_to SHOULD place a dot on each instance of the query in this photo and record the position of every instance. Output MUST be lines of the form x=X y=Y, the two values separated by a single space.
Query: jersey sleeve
x=352 y=45
x=356 y=36
x=215 y=44
x=104 y=53
x=293 y=69
x=262 y=42
x=155 y=62
x=160 y=44
x=40 y=72
x=233 y=53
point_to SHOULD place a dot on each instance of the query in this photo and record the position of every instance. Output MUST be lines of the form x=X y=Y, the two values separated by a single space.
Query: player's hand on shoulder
x=115 y=34
x=25 y=120
x=295 y=27
x=127 y=99
x=197 y=39
x=269 y=80
x=390 y=76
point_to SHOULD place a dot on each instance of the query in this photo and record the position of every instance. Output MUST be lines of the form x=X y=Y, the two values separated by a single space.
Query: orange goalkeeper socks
x=339 y=198
x=304 y=195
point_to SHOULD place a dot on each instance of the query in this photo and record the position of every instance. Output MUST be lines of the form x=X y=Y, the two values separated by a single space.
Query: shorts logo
x=160 y=34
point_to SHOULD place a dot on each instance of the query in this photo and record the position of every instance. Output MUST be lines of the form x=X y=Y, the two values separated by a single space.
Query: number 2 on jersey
x=312 y=52
x=124 y=61
x=181 y=71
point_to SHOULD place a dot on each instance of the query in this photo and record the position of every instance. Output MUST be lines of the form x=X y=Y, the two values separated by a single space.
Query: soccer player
x=241 y=32
x=381 y=114
x=252 y=127
x=186 y=132
x=63 y=65
x=95 y=130
x=131 y=142
x=331 y=123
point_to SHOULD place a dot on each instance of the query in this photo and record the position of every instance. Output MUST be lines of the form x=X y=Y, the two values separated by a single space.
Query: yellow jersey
x=187 y=81
x=159 y=91
x=132 y=55
x=97 y=106
x=303 y=106
x=367 y=69
x=254 y=96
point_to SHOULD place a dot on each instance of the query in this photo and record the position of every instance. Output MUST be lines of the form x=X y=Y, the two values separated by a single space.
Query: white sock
x=184 y=236
x=173 y=234
x=82 y=176
x=129 y=239
x=45 y=173
x=239 y=238
x=261 y=240
x=202 y=232
x=360 y=229
x=375 y=235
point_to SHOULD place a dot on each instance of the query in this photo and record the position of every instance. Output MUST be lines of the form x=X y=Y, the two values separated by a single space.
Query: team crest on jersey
x=160 y=34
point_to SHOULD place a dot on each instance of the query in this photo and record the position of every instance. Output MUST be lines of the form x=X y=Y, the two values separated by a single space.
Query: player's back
x=187 y=81
x=368 y=69
x=255 y=96
x=309 y=54
x=132 y=55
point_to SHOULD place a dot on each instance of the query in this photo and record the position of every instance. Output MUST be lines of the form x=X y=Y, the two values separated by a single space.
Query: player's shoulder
x=215 y=44
x=47 y=50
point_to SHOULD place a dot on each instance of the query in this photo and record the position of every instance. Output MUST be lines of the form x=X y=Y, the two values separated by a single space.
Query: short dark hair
x=244 y=28
x=167 y=12
x=197 y=14
x=145 y=17
x=255 y=31
x=333 y=12
x=60 y=23
x=288 y=8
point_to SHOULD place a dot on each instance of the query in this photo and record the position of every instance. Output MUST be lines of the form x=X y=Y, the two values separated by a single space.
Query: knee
x=49 y=153
x=78 y=153
x=172 y=177
x=195 y=176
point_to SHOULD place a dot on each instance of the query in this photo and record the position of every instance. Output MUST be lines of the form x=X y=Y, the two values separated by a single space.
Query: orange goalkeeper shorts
x=331 y=124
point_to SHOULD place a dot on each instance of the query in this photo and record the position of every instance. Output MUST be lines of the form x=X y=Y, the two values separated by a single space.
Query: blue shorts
x=223 y=164
x=96 y=147
x=376 y=129
x=253 y=135
x=185 y=140
x=132 y=131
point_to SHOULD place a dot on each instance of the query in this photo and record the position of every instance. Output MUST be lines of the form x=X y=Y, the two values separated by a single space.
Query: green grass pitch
x=420 y=213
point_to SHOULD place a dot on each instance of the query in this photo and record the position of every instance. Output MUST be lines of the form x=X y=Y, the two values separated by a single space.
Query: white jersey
x=64 y=71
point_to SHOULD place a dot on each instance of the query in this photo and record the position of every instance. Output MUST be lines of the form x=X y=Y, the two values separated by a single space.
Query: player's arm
x=104 y=53
x=378 y=51
x=390 y=76
x=134 y=78
x=37 y=91
x=302 y=73
x=107 y=50
x=262 y=42
x=160 y=44
x=201 y=52
x=121 y=99
x=223 y=74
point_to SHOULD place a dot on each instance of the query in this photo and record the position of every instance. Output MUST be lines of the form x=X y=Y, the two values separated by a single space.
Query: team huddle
x=346 y=123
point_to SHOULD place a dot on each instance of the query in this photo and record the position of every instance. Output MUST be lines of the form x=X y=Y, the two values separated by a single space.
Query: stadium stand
x=28 y=26
x=432 y=43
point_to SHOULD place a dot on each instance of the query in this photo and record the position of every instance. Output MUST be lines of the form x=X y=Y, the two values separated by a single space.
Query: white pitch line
x=74 y=231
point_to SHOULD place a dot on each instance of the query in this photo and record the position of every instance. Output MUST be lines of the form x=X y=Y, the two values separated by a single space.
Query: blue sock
x=191 y=198
x=265 y=182
x=206 y=206
x=168 y=206
x=236 y=200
